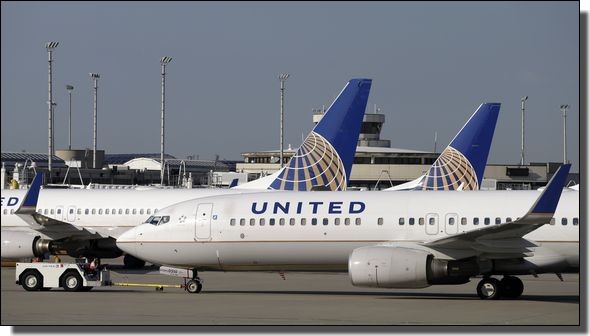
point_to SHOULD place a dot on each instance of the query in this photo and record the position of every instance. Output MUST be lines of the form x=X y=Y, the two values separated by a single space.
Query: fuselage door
x=203 y=221
x=432 y=224
x=71 y=213
x=451 y=225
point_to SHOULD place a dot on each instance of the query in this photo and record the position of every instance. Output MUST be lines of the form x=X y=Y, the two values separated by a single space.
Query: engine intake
x=398 y=267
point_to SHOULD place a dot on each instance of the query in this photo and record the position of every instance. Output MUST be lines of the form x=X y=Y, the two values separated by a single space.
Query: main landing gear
x=195 y=284
x=509 y=287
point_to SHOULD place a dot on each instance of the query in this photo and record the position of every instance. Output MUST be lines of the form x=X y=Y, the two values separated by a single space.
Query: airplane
x=461 y=165
x=86 y=222
x=411 y=239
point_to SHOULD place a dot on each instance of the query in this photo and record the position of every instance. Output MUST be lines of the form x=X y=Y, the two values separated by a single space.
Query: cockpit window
x=165 y=219
x=149 y=220
x=155 y=220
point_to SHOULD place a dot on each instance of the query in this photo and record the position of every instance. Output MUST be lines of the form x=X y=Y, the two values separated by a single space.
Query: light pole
x=70 y=88
x=50 y=46
x=522 y=102
x=564 y=111
x=282 y=78
x=95 y=78
x=163 y=62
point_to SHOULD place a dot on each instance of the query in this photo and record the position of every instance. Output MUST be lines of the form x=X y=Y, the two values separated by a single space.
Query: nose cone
x=127 y=242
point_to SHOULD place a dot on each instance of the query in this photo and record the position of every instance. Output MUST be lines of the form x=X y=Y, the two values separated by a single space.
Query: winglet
x=233 y=183
x=547 y=202
x=30 y=201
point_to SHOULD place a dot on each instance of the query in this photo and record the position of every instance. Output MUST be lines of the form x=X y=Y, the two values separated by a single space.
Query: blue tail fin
x=461 y=165
x=325 y=157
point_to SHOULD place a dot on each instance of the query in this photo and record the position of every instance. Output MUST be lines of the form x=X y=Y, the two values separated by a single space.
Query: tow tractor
x=77 y=277
x=72 y=277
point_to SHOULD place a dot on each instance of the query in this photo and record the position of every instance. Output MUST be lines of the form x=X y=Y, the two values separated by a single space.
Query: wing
x=53 y=228
x=506 y=240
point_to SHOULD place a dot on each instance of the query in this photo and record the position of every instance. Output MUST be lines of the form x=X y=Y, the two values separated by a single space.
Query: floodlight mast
x=282 y=79
x=522 y=103
x=70 y=88
x=163 y=62
x=50 y=46
x=95 y=78
x=564 y=111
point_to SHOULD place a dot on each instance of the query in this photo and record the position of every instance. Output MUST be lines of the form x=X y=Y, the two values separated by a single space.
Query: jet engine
x=20 y=245
x=399 y=267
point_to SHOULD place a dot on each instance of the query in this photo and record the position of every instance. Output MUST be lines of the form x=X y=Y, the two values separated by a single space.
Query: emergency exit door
x=203 y=221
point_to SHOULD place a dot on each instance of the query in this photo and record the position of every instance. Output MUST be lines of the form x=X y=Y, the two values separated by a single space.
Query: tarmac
x=256 y=298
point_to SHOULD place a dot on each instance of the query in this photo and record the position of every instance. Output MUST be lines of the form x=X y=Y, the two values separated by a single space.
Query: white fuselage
x=319 y=230
x=107 y=212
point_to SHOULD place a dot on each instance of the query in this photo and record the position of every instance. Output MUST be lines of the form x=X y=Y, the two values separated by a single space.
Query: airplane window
x=121 y=211
x=71 y=211
x=165 y=219
x=107 y=211
x=134 y=211
x=46 y=210
x=486 y=221
x=552 y=221
x=79 y=211
x=498 y=220
x=337 y=221
x=421 y=221
x=303 y=221
x=242 y=221
x=5 y=211
x=93 y=211
x=141 y=211
x=12 y=211
x=59 y=211
x=314 y=221
x=100 y=211
x=401 y=221
x=155 y=220
x=431 y=221
x=325 y=221
x=347 y=221
x=86 y=212
x=380 y=221
x=261 y=221
x=232 y=222
x=575 y=221
x=291 y=221
x=282 y=221
x=411 y=221
x=271 y=221
x=149 y=211
x=51 y=211
x=463 y=220
x=126 y=211
x=252 y=221
x=452 y=221
x=357 y=221
x=564 y=221
x=508 y=219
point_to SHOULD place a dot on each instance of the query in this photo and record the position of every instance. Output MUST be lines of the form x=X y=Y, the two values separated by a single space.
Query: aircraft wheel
x=511 y=287
x=194 y=286
x=72 y=282
x=32 y=280
x=488 y=289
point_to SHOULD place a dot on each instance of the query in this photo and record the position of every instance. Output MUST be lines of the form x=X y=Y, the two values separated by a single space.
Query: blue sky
x=432 y=64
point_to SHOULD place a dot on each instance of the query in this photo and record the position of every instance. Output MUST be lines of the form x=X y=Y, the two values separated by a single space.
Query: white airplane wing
x=506 y=240
x=50 y=227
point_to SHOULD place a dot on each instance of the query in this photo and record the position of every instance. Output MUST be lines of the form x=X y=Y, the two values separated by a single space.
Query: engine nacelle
x=398 y=267
x=20 y=245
